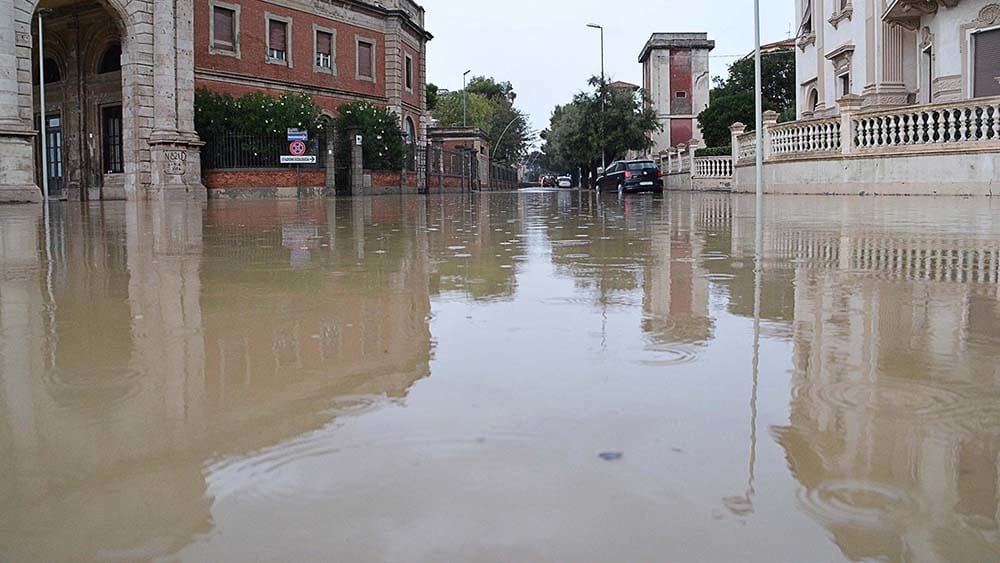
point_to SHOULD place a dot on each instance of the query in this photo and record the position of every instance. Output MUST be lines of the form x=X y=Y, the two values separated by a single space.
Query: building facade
x=119 y=79
x=895 y=52
x=675 y=70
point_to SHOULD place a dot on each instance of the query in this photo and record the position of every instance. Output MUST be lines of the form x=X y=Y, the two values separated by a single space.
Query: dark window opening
x=225 y=28
x=845 y=84
x=986 y=73
x=682 y=94
x=409 y=73
x=277 y=33
x=365 y=59
x=324 y=49
x=113 y=140
x=111 y=61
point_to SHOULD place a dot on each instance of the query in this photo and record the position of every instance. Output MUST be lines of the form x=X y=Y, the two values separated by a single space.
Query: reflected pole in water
x=758 y=273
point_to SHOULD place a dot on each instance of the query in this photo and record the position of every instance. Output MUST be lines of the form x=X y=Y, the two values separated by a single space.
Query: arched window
x=50 y=69
x=813 y=100
x=111 y=61
x=411 y=131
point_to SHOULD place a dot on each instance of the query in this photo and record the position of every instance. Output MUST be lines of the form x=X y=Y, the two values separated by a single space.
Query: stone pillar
x=849 y=107
x=735 y=130
x=357 y=162
x=331 y=164
x=770 y=120
x=17 y=138
x=175 y=147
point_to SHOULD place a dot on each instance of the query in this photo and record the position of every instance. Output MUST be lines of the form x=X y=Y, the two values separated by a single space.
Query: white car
x=564 y=182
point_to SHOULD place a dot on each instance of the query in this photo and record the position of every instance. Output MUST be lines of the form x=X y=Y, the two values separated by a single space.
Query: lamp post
x=465 y=100
x=759 y=108
x=41 y=104
x=604 y=102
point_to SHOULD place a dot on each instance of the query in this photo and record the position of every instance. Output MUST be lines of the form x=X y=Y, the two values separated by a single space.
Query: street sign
x=358 y=140
x=297 y=135
x=297 y=148
x=298 y=159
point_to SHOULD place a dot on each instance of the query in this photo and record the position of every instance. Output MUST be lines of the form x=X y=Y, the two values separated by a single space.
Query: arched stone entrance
x=125 y=133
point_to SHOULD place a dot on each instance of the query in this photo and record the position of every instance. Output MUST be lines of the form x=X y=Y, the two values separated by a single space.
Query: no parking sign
x=297 y=148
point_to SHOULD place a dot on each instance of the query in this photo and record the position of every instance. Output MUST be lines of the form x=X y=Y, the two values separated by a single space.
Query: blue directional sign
x=297 y=135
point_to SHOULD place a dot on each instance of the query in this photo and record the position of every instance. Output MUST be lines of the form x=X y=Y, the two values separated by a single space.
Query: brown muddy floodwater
x=541 y=376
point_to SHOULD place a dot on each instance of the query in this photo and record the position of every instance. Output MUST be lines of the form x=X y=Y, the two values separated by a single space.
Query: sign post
x=297 y=149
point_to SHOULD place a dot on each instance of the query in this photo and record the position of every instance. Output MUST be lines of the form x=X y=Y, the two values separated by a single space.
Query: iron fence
x=235 y=151
x=502 y=176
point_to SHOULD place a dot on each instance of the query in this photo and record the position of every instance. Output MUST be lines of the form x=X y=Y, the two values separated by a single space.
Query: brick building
x=120 y=76
x=675 y=71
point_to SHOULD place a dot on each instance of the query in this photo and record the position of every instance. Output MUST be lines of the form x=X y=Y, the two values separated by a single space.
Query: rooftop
x=676 y=41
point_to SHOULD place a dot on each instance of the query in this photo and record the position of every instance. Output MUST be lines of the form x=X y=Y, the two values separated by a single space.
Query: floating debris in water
x=610 y=456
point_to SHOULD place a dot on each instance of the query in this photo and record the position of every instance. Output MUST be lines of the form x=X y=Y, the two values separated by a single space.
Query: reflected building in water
x=150 y=345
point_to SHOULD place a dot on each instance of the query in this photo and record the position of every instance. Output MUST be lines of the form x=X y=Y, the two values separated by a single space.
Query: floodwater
x=539 y=376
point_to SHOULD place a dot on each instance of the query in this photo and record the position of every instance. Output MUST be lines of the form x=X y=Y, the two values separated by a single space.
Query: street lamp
x=604 y=102
x=465 y=100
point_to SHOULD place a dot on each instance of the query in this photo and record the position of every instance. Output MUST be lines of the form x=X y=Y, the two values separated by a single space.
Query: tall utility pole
x=465 y=100
x=604 y=99
x=759 y=101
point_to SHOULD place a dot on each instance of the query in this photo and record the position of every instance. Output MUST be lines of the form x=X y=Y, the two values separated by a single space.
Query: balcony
x=907 y=13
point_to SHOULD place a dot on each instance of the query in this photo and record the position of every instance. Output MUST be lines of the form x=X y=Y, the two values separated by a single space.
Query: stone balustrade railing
x=968 y=124
x=815 y=136
x=714 y=167
x=971 y=121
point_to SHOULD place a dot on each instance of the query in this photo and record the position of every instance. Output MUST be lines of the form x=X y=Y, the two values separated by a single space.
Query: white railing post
x=770 y=120
x=735 y=130
x=849 y=106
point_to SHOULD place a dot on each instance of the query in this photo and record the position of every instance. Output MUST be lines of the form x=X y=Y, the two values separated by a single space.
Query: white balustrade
x=806 y=137
x=971 y=121
x=713 y=167
x=747 y=146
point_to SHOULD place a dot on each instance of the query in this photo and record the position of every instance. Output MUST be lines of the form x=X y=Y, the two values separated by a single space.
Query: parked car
x=548 y=181
x=564 y=182
x=627 y=176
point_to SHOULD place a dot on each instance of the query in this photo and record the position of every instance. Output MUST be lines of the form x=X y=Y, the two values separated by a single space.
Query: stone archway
x=160 y=155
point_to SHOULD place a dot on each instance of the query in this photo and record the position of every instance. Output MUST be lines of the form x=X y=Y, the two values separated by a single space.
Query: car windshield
x=638 y=166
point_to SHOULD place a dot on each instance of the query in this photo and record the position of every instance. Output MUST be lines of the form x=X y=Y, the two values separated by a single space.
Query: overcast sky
x=545 y=49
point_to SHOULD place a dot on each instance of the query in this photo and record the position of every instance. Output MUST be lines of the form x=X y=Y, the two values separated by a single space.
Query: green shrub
x=714 y=151
x=383 y=139
x=256 y=113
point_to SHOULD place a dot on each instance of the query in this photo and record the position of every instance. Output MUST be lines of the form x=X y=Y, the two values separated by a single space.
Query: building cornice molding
x=846 y=14
x=907 y=13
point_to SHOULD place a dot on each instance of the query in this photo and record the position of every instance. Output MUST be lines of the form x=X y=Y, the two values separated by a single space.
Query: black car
x=631 y=176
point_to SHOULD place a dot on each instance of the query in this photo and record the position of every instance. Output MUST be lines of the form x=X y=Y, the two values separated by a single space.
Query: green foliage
x=490 y=108
x=715 y=151
x=581 y=131
x=255 y=113
x=432 y=96
x=732 y=99
x=383 y=138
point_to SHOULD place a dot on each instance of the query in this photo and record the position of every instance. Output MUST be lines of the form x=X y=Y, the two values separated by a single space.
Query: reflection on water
x=429 y=379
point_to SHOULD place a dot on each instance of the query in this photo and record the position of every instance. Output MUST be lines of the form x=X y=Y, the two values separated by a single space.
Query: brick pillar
x=17 y=137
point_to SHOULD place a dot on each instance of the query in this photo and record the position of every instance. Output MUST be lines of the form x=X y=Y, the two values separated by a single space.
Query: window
x=411 y=132
x=806 y=27
x=224 y=29
x=845 y=84
x=49 y=69
x=324 y=50
x=409 y=73
x=113 y=141
x=986 y=63
x=813 y=102
x=366 y=60
x=682 y=94
x=278 y=40
x=927 y=66
x=111 y=61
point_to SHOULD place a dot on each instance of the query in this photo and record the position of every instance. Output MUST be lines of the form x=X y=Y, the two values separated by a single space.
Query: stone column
x=849 y=107
x=175 y=147
x=357 y=162
x=17 y=138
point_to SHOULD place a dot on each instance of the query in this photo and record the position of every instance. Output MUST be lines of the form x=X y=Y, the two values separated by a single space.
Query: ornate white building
x=895 y=52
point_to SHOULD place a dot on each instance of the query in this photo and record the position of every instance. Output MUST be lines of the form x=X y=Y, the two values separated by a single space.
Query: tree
x=729 y=97
x=382 y=143
x=254 y=114
x=490 y=108
x=432 y=96
x=581 y=132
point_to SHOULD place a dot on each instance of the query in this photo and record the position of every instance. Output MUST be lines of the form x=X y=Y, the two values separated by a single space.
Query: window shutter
x=224 y=29
x=324 y=43
x=987 y=64
x=365 y=59
x=277 y=35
